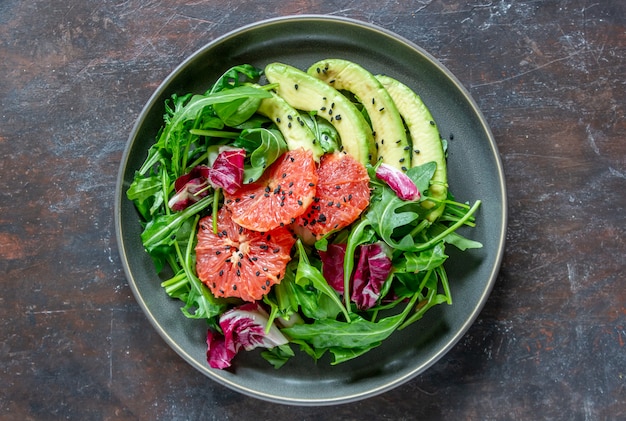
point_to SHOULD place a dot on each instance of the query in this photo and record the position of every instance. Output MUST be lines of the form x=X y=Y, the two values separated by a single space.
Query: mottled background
x=549 y=77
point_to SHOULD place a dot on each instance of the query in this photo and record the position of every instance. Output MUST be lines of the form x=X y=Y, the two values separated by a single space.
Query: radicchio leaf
x=372 y=269
x=227 y=170
x=332 y=265
x=190 y=188
x=218 y=354
x=243 y=327
x=370 y=274
x=399 y=182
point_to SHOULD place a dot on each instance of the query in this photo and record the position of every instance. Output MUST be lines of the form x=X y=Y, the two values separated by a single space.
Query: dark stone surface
x=549 y=77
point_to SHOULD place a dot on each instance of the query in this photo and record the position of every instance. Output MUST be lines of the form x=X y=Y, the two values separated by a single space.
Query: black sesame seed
x=289 y=125
x=221 y=274
x=296 y=86
x=234 y=287
x=277 y=119
x=381 y=109
x=406 y=148
x=258 y=273
x=338 y=117
x=432 y=123
x=401 y=159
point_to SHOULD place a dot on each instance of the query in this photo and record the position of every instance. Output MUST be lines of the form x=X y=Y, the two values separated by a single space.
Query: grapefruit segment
x=238 y=262
x=279 y=196
x=341 y=196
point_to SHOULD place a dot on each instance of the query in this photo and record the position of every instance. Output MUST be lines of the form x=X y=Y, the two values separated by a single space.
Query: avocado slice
x=287 y=119
x=304 y=92
x=387 y=126
x=427 y=145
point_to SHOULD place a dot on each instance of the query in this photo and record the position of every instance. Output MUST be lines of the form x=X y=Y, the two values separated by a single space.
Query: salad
x=300 y=210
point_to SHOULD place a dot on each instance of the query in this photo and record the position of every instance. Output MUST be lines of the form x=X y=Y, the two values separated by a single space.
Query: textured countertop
x=549 y=77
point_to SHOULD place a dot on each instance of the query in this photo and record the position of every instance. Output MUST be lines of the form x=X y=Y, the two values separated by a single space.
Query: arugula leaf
x=413 y=262
x=235 y=76
x=263 y=147
x=358 y=333
x=278 y=355
x=161 y=230
x=306 y=271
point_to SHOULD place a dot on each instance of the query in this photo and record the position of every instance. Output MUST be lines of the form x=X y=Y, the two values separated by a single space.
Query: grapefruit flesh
x=341 y=196
x=238 y=262
x=279 y=196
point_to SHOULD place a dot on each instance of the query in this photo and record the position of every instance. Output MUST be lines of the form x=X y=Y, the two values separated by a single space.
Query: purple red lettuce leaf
x=190 y=188
x=399 y=182
x=227 y=170
x=243 y=327
x=226 y=173
x=370 y=274
x=372 y=268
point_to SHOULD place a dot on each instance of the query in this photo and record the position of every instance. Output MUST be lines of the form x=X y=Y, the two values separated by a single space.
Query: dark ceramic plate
x=475 y=172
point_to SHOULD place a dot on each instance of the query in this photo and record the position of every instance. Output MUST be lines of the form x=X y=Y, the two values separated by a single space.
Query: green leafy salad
x=300 y=210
